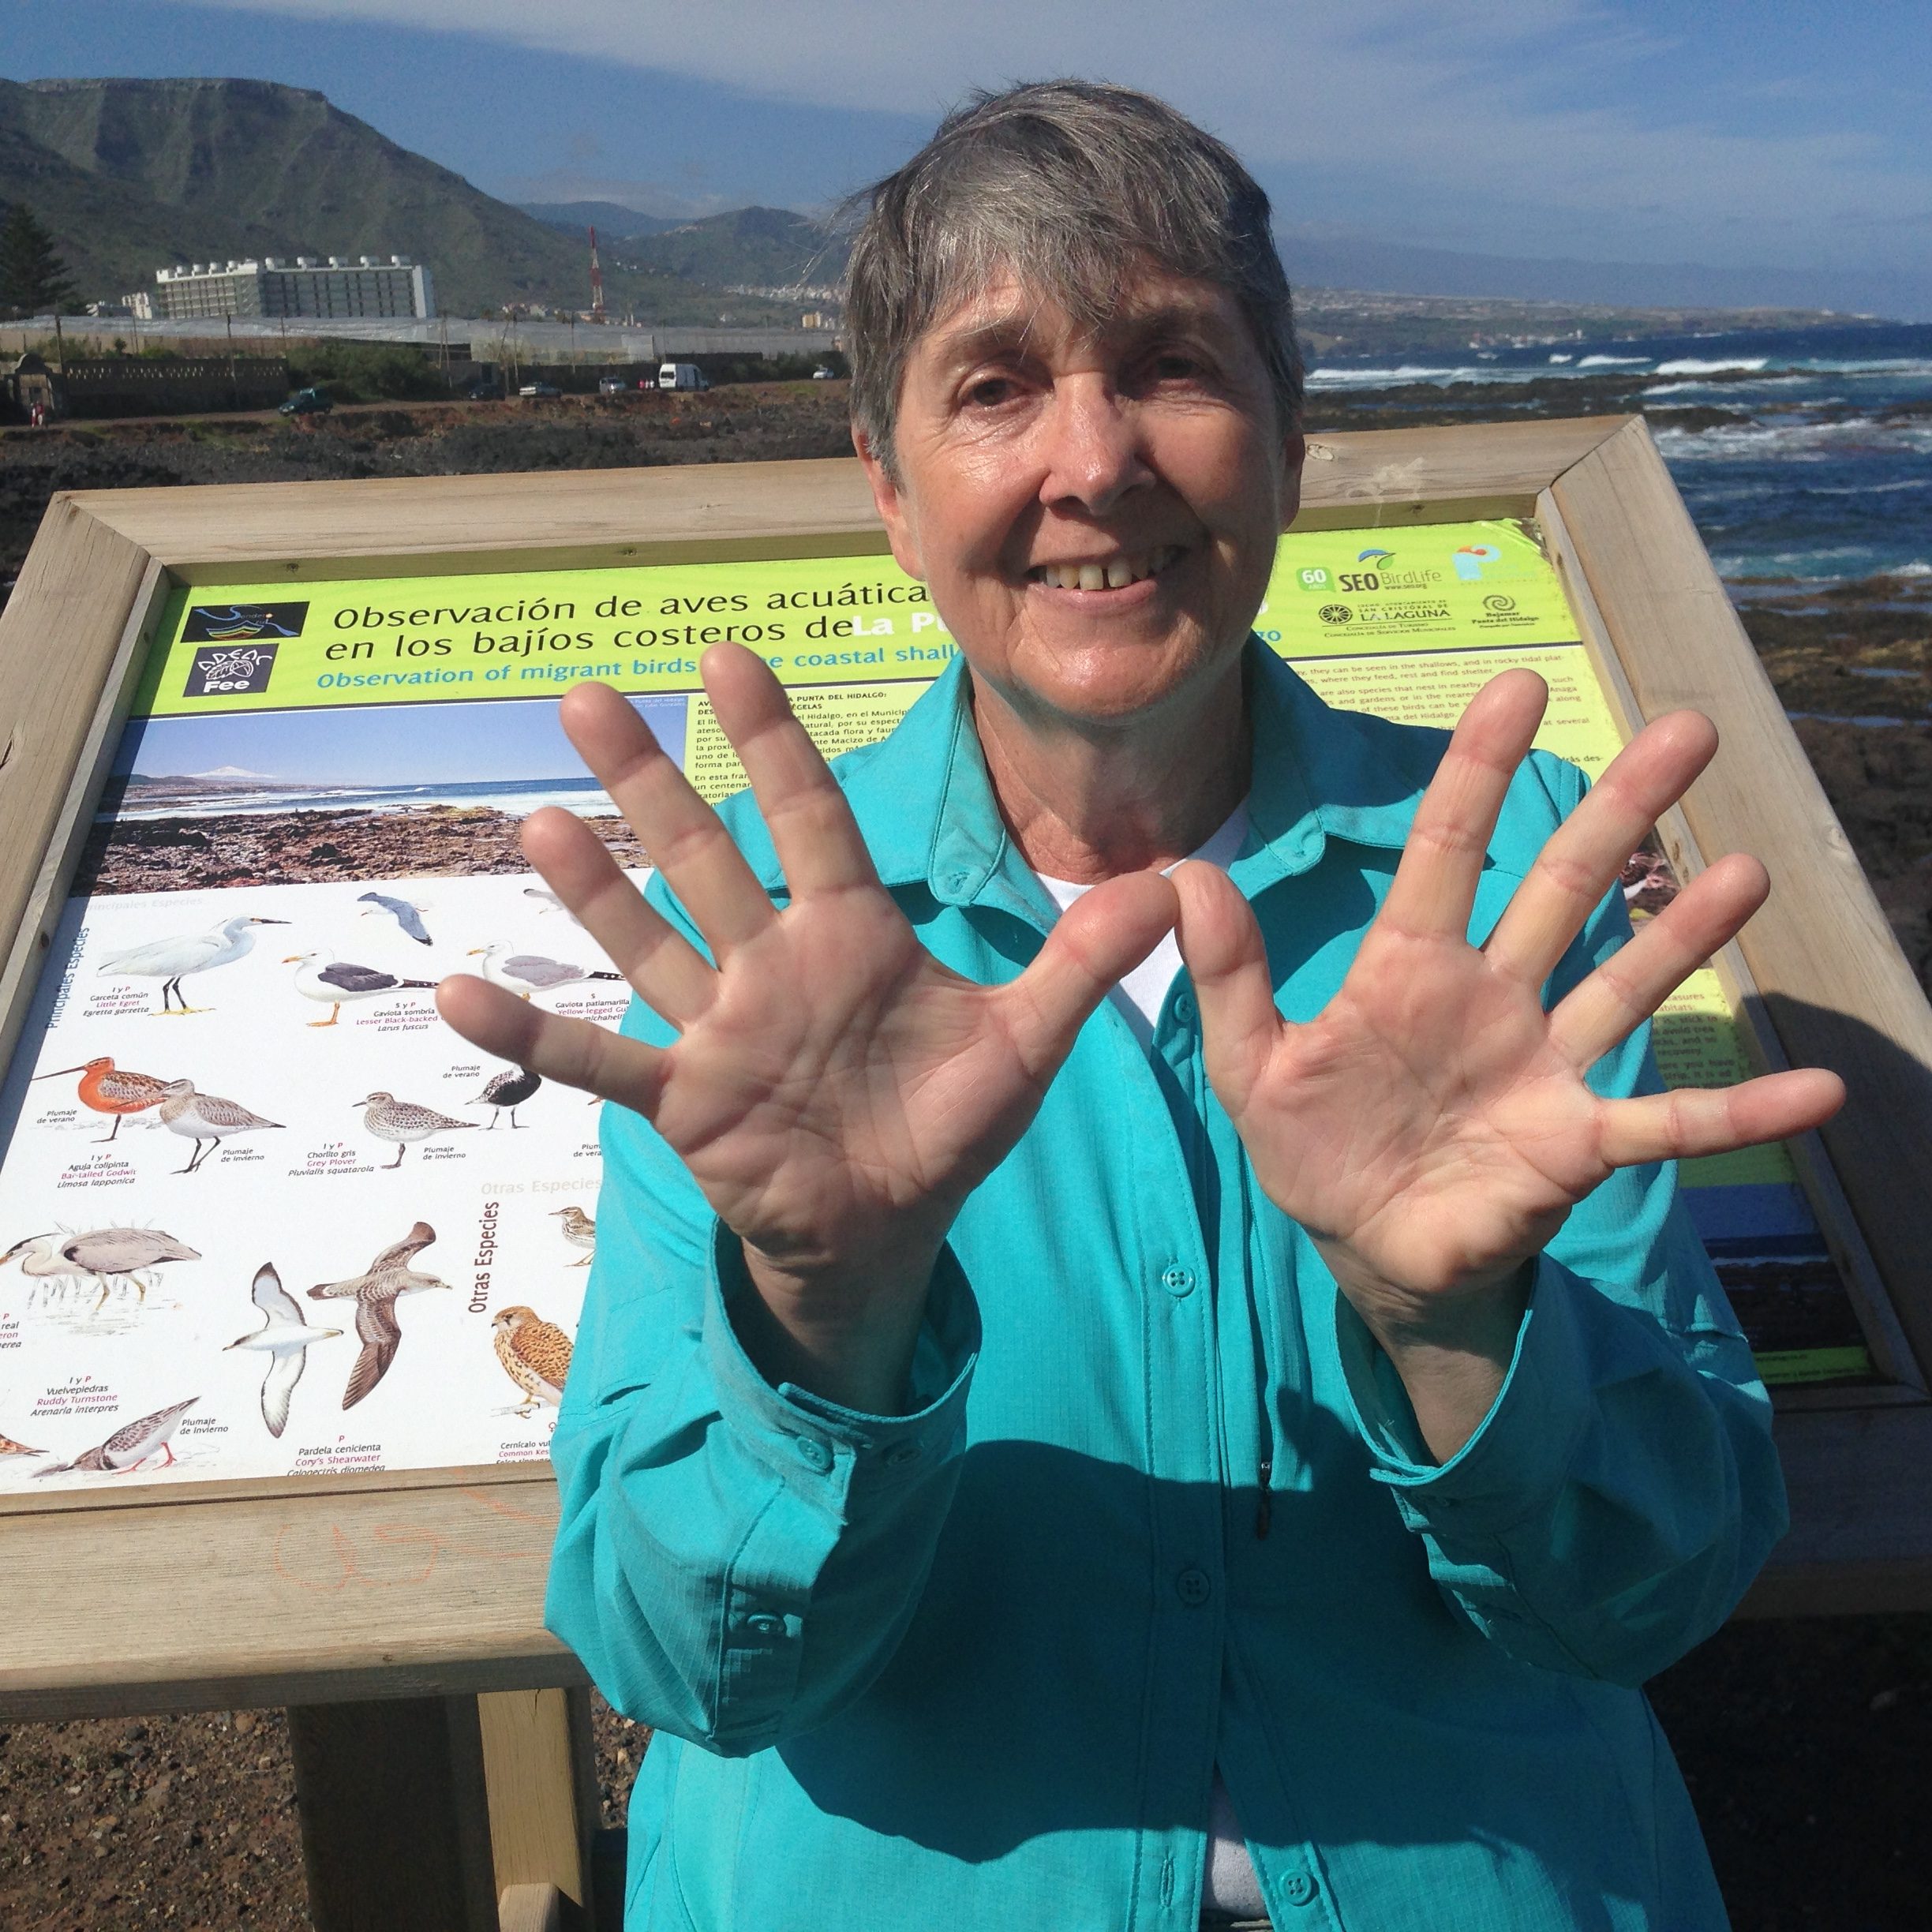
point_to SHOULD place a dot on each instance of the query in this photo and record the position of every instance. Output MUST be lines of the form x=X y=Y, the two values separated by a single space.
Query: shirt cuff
x=805 y=1439
x=1519 y=1456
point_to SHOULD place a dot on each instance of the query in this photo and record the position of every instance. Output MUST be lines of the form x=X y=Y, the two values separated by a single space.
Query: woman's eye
x=989 y=391
x=1174 y=366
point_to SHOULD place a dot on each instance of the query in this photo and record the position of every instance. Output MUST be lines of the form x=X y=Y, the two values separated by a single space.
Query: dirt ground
x=1802 y=1743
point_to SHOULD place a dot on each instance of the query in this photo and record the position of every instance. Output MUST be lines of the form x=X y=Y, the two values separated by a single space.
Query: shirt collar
x=925 y=799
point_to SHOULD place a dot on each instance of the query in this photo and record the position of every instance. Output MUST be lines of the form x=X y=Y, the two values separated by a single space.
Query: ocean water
x=519 y=797
x=1821 y=471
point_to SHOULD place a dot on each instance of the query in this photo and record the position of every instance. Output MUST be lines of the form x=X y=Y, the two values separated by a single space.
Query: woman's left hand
x=1431 y=1127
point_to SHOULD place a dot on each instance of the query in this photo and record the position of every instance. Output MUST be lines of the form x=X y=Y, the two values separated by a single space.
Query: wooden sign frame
x=430 y=1583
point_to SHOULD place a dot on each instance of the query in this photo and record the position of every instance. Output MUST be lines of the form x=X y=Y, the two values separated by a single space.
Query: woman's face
x=1095 y=517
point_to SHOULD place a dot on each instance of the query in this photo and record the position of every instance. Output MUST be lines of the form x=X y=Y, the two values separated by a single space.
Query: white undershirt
x=1231 y=1884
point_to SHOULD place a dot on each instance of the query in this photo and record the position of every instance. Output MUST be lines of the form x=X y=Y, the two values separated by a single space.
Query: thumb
x=1104 y=933
x=1227 y=958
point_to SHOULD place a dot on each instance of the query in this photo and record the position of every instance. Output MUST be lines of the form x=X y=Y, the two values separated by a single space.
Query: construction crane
x=596 y=283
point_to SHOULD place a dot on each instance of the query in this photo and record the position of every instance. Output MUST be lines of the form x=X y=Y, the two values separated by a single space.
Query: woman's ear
x=895 y=512
x=1294 y=454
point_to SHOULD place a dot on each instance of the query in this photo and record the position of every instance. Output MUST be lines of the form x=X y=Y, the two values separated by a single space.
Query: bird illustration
x=508 y=1091
x=549 y=902
x=375 y=1292
x=403 y=1121
x=535 y=1354
x=580 y=1231
x=201 y=1117
x=172 y=960
x=284 y=1337
x=109 y=1089
x=336 y=982
x=104 y=1253
x=9 y=1447
x=128 y=1448
x=408 y=916
x=525 y=973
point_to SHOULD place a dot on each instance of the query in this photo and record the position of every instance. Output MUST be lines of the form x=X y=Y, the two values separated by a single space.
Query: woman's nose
x=1091 y=447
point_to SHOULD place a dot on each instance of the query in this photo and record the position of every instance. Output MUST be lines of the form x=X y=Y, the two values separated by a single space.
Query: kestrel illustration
x=107 y=1088
x=580 y=1231
x=375 y=1294
x=506 y=1092
x=284 y=1337
x=535 y=1354
x=408 y=916
x=403 y=1121
x=128 y=1448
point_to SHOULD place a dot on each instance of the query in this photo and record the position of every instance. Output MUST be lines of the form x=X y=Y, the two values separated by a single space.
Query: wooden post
x=541 y=1774
x=395 y=1824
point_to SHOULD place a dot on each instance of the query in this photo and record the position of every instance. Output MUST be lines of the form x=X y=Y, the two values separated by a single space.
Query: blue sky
x=380 y=744
x=1731 y=133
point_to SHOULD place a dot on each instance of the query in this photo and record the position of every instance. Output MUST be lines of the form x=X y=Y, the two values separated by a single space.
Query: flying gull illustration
x=284 y=1337
x=408 y=916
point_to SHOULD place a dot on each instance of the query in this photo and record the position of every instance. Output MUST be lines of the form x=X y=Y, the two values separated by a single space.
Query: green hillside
x=134 y=175
x=752 y=247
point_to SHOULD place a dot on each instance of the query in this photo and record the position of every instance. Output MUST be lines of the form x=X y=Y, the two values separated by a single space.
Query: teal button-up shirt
x=1160 y=1503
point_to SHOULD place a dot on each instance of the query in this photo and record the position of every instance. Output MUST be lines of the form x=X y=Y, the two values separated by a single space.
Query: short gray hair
x=1072 y=184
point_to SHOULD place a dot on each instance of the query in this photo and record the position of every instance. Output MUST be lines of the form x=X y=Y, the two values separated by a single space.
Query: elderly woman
x=1061 y=1441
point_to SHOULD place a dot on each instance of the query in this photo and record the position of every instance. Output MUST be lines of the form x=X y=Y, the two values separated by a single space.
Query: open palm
x=1431 y=1127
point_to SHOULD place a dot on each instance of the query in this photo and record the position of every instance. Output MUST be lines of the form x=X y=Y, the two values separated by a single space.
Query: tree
x=33 y=279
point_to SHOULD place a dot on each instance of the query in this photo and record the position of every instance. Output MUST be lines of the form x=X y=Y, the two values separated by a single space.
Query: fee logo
x=237 y=624
x=230 y=670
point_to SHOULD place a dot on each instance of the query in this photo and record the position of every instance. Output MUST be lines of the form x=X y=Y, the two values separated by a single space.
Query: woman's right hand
x=835 y=1091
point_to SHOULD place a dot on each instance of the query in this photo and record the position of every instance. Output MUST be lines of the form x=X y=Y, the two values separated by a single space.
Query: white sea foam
x=1562 y=358
x=1369 y=378
x=1605 y=362
x=1690 y=365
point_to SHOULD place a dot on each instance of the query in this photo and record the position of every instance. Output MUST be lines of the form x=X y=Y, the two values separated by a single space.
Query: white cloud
x=1473 y=103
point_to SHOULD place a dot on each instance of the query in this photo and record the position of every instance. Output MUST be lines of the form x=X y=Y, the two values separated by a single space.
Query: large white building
x=307 y=286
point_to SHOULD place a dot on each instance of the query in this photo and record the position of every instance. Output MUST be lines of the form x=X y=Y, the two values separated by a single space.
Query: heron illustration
x=172 y=960
x=131 y=1254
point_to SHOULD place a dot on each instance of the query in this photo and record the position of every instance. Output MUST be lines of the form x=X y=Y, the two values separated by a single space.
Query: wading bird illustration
x=173 y=960
x=408 y=916
x=9 y=1447
x=109 y=1089
x=506 y=1092
x=527 y=973
x=106 y=1254
x=375 y=1292
x=128 y=1448
x=403 y=1121
x=338 y=982
x=203 y=1117
x=580 y=1231
x=535 y=1354
x=284 y=1337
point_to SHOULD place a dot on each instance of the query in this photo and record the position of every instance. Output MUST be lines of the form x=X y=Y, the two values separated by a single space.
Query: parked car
x=681 y=375
x=823 y=374
x=484 y=389
x=613 y=385
x=540 y=389
x=307 y=403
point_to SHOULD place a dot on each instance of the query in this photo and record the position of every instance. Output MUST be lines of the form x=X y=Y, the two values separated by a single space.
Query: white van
x=681 y=375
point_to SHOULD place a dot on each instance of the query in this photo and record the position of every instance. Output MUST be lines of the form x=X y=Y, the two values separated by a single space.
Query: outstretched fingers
x=1226 y=959
x=1690 y=1121
x=1634 y=981
x=574 y=1052
x=1582 y=857
x=1435 y=884
x=1104 y=934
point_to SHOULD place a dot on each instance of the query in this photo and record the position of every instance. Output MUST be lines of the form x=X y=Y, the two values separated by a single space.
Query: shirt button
x=899 y=1454
x=765 y=1624
x=1184 y=1007
x=813 y=1453
x=1179 y=1281
x=1193 y=1587
x=1299 y=1888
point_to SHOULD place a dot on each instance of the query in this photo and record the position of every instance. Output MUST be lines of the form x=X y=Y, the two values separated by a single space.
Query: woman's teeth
x=1116 y=574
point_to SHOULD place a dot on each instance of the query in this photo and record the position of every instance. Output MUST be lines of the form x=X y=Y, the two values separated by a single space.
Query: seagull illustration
x=508 y=1091
x=205 y=1119
x=128 y=1448
x=109 y=1089
x=284 y=1337
x=535 y=1354
x=408 y=916
x=375 y=1292
x=527 y=973
x=337 y=983
x=172 y=960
